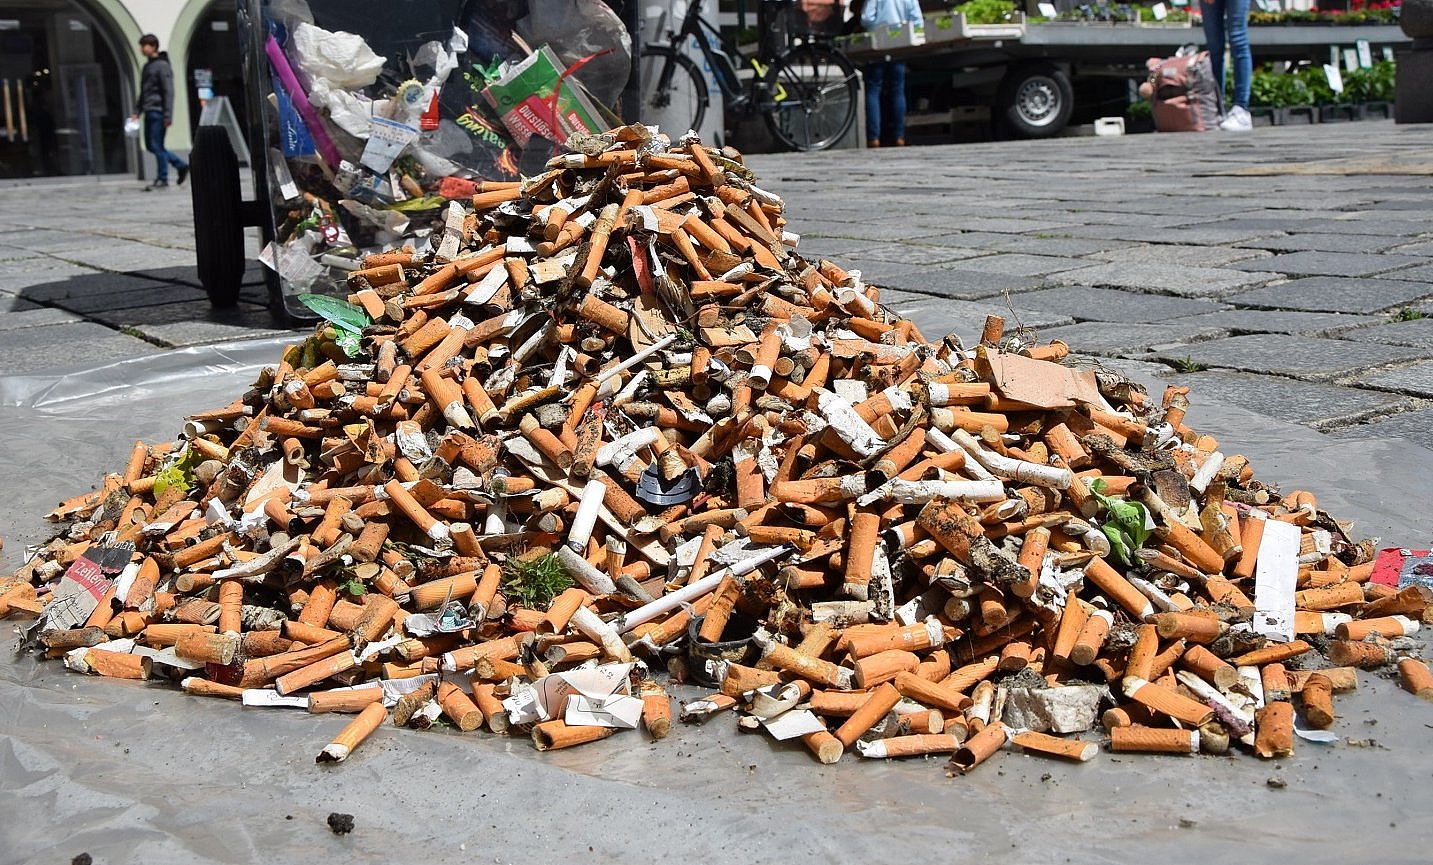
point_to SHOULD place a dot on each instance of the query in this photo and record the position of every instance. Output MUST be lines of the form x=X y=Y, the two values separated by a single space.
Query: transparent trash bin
x=368 y=116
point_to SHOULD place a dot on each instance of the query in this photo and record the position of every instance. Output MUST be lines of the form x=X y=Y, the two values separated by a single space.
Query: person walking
x=156 y=106
x=1229 y=19
x=886 y=78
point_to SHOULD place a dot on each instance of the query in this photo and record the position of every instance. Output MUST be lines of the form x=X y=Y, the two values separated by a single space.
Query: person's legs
x=897 y=80
x=1214 y=11
x=1237 y=18
x=875 y=74
x=154 y=143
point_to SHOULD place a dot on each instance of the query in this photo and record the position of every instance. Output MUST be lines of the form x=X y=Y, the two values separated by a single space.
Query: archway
x=66 y=87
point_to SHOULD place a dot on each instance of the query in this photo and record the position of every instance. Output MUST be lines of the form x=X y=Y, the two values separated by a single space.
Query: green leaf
x=354 y=587
x=348 y=341
x=345 y=315
x=179 y=473
x=1118 y=547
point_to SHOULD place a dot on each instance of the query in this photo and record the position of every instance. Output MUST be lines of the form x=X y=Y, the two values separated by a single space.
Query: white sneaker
x=1237 y=120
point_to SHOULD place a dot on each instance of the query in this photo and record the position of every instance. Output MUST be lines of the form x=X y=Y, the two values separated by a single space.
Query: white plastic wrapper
x=333 y=60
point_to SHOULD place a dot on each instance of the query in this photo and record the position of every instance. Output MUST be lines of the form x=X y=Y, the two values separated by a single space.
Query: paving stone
x=1420 y=273
x=92 y=288
x=34 y=316
x=1330 y=263
x=1325 y=243
x=1421 y=247
x=1020 y=264
x=97 y=304
x=1043 y=244
x=1417 y=333
x=956 y=283
x=1304 y=357
x=1163 y=278
x=1416 y=379
x=1332 y=294
x=32 y=349
x=1414 y=426
x=912 y=253
x=937 y=317
x=1238 y=321
x=1004 y=225
x=1168 y=253
x=1380 y=225
x=15 y=303
x=1084 y=303
x=1105 y=338
x=1301 y=402
x=194 y=322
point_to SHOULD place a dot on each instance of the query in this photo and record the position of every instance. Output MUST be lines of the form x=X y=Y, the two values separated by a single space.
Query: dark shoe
x=900 y=142
x=873 y=142
x=182 y=175
x=158 y=184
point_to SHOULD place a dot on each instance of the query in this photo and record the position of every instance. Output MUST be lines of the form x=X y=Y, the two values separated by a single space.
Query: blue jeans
x=882 y=76
x=154 y=143
x=1229 y=18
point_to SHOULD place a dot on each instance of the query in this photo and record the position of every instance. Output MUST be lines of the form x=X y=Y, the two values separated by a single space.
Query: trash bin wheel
x=218 y=221
x=1035 y=100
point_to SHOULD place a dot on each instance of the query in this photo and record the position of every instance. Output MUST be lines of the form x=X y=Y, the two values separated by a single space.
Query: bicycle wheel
x=810 y=100
x=674 y=93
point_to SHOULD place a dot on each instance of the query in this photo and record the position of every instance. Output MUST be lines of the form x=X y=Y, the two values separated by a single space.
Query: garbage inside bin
x=430 y=509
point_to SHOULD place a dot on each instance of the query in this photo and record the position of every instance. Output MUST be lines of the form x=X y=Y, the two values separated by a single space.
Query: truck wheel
x=1035 y=101
x=218 y=222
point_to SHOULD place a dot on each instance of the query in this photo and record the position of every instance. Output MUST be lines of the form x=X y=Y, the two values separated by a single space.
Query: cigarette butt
x=978 y=748
x=1118 y=589
x=344 y=701
x=1092 y=638
x=1356 y=653
x=555 y=734
x=459 y=708
x=314 y=673
x=1193 y=627
x=1210 y=667
x=909 y=746
x=1317 y=697
x=883 y=667
x=368 y=720
x=814 y=670
x=1415 y=678
x=206 y=688
x=1055 y=746
x=877 y=704
x=1386 y=626
x=826 y=747
x=1153 y=740
x=656 y=709
x=928 y=693
x=1274 y=730
x=1275 y=653
x=209 y=648
x=1165 y=701
x=561 y=610
x=231 y=601
x=118 y=665
x=1072 y=622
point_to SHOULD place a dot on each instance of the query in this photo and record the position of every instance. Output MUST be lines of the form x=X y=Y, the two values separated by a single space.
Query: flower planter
x=1382 y=110
x=1340 y=112
x=1292 y=114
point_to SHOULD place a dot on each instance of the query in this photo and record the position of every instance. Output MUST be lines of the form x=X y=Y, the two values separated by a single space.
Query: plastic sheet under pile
x=614 y=423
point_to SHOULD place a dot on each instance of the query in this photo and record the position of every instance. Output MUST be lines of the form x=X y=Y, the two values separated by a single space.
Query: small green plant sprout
x=1125 y=526
x=535 y=583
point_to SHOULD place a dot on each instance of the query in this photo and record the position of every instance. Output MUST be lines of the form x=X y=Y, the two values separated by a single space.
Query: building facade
x=69 y=72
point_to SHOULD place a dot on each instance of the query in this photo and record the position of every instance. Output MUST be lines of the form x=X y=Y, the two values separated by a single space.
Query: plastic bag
x=339 y=61
x=581 y=28
x=131 y=127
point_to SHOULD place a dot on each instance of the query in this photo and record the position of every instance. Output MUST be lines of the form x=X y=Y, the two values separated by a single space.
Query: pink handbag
x=1183 y=96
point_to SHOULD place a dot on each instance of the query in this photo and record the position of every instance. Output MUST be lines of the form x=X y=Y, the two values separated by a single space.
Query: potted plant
x=1139 y=117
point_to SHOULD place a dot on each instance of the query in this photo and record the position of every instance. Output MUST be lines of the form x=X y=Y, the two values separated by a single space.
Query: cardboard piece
x=1276 y=571
x=1040 y=383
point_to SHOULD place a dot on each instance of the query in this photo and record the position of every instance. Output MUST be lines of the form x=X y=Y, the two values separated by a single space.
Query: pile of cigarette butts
x=612 y=432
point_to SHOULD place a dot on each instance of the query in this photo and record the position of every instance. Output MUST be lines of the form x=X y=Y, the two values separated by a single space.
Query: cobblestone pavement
x=1285 y=271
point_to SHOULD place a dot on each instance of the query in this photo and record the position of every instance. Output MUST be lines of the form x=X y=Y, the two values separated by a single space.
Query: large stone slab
x=1331 y=263
x=32 y=349
x=35 y=316
x=194 y=322
x=1332 y=294
x=1085 y=303
x=936 y=317
x=909 y=253
x=1158 y=278
x=1308 y=403
x=1321 y=242
x=1238 y=321
x=1173 y=253
x=1417 y=333
x=97 y=304
x=1041 y=243
x=1419 y=273
x=957 y=283
x=1416 y=379
x=1310 y=358
x=1415 y=426
x=1020 y=264
x=1105 y=338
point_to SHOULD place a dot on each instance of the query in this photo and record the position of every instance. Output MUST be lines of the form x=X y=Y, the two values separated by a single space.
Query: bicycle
x=807 y=93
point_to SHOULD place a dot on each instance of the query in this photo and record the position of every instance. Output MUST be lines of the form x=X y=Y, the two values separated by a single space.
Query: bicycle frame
x=710 y=42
